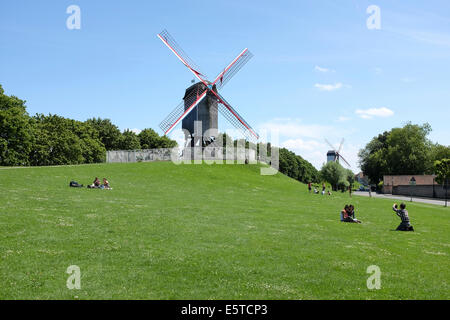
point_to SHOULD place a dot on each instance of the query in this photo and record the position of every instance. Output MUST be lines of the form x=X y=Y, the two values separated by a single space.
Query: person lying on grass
x=348 y=214
x=405 y=225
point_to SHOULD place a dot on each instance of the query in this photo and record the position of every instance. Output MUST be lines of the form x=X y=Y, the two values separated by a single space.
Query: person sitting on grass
x=96 y=184
x=405 y=225
x=105 y=184
x=352 y=213
x=348 y=214
x=316 y=191
x=344 y=213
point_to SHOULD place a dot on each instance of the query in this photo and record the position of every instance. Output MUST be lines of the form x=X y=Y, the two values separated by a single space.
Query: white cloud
x=137 y=131
x=328 y=87
x=321 y=69
x=374 y=112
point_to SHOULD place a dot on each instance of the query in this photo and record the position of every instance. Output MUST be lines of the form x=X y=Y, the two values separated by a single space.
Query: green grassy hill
x=208 y=232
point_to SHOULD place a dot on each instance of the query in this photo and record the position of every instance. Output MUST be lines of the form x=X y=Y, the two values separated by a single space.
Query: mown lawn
x=208 y=232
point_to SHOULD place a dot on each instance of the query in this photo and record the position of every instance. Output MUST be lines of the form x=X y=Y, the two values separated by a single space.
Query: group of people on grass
x=99 y=185
x=316 y=191
x=348 y=215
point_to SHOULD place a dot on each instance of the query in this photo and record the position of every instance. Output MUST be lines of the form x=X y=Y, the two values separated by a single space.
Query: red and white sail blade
x=170 y=42
x=346 y=162
x=234 y=118
x=180 y=112
x=232 y=68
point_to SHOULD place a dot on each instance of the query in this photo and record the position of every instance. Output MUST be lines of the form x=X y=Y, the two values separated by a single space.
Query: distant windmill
x=202 y=100
x=334 y=155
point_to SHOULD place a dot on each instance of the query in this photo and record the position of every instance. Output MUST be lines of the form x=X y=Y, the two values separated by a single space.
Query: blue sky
x=317 y=72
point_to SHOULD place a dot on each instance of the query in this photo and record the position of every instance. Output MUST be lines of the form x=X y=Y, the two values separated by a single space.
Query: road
x=402 y=198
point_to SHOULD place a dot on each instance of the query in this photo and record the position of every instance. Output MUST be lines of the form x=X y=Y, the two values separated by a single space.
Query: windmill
x=202 y=100
x=333 y=155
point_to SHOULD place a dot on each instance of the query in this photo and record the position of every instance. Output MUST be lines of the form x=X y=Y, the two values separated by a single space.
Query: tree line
x=43 y=140
x=297 y=168
x=402 y=151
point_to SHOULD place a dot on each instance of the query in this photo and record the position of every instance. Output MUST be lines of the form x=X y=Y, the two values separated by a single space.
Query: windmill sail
x=235 y=119
x=170 y=42
x=180 y=112
x=341 y=157
x=232 y=68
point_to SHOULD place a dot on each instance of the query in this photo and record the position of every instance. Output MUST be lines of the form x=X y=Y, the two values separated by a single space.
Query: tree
x=350 y=176
x=408 y=149
x=16 y=134
x=438 y=152
x=108 y=133
x=335 y=174
x=371 y=157
x=61 y=141
x=150 y=139
x=129 y=141
x=54 y=143
x=442 y=169
x=93 y=149
x=165 y=142
x=296 y=167
x=400 y=151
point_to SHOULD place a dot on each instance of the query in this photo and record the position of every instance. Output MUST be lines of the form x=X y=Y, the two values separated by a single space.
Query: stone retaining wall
x=165 y=154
